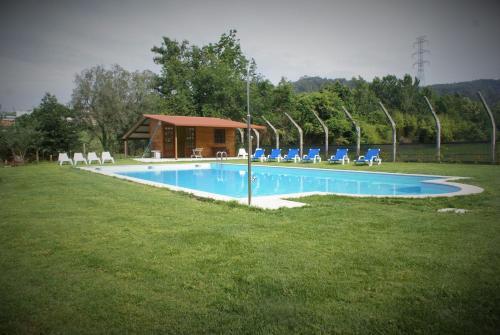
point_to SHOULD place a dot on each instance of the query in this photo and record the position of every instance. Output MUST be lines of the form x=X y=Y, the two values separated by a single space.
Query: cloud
x=44 y=43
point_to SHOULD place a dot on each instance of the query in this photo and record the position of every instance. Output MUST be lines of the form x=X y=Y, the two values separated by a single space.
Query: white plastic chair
x=92 y=156
x=63 y=157
x=78 y=157
x=242 y=153
x=197 y=153
x=106 y=156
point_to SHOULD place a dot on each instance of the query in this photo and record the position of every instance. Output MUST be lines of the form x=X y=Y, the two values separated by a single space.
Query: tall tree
x=19 y=138
x=208 y=80
x=108 y=102
x=55 y=123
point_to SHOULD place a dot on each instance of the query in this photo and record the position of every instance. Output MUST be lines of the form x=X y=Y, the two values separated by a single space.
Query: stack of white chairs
x=91 y=157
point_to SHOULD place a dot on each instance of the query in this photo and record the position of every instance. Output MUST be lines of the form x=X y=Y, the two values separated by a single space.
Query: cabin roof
x=185 y=121
x=198 y=121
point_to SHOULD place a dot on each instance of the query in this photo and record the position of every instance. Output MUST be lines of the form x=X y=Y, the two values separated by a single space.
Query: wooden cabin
x=176 y=136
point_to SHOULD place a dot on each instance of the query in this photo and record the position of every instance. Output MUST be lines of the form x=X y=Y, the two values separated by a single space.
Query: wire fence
x=458 y=152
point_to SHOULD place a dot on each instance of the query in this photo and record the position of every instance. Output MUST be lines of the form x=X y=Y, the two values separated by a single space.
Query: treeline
x=490 y=88
x=210 y=80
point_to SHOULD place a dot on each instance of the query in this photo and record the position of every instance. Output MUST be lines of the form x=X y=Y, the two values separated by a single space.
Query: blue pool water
x=231 y=180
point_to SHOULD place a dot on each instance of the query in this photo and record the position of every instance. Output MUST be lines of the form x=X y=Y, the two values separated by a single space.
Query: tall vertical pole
x=301 y=134
x=393 y=125
x=493 y=128
x=358 y=130
x=438 y=130
x=249 y=173
x=325 y=128
x=275 y=133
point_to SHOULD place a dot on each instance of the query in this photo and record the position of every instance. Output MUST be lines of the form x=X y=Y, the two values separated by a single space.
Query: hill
x=313 y=84
x=490 y=88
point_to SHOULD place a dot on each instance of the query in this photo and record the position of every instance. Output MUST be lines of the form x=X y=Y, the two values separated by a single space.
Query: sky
x=44 y=44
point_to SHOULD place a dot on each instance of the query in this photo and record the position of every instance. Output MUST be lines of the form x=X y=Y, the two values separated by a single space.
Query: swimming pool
x=275 y=183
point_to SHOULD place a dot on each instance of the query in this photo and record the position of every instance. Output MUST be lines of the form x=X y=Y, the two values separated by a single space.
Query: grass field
x=87 y=254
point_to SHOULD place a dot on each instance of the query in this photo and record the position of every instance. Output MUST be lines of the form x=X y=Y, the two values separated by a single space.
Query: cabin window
x=190 y=137
x=219 y=136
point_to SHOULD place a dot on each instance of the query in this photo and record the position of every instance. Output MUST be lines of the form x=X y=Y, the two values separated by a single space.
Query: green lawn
x=87 y=254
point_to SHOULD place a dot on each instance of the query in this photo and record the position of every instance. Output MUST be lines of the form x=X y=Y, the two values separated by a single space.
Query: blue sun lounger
x=292 y=155
x=259 y=155
x=372 y=155
x=275 y=155
x=312 y=156
x=340 y=156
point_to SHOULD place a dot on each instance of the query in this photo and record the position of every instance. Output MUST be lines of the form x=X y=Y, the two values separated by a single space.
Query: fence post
x=301 y=135
x=325 y=128
x=393 y=125
x=438 y=129
x=493 y=128
x=358 y=130
x=275 y=133
x=257 y=137
x=151 y=140
x=242 y=136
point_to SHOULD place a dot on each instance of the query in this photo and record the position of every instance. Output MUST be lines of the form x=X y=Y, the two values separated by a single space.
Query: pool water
x=231 y=180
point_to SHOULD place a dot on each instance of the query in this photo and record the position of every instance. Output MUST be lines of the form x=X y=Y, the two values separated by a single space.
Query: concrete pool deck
x=173 y=160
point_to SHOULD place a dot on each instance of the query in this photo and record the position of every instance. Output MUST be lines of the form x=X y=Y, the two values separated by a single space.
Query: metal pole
x=438 y=129
x=393 y=125
x=275 y=133
x=358 y=130
x=249 y=172
x=325 y=128
x=301 y=134
x=493 y=128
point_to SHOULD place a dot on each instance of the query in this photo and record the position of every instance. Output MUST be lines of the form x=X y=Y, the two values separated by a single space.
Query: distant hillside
x=314 y=84
x=490 y=88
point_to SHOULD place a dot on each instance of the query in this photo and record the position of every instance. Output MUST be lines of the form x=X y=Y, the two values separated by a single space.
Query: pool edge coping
x=280 y=201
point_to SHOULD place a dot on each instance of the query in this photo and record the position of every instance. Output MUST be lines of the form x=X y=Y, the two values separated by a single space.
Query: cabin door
x=168 y=148
x=181 y=142
x=189 y=144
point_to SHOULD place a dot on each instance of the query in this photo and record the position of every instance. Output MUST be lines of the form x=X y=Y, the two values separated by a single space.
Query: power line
x=419 y=44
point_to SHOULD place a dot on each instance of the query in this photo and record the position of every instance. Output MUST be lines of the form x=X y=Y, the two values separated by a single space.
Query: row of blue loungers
x=371 y=156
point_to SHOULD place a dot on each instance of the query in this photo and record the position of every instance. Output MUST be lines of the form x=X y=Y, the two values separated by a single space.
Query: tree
x=108 y=102
x=55 y=124
x=19 y=138
x=208 y=80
